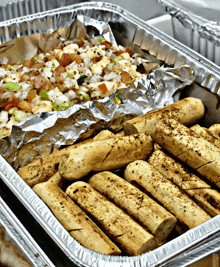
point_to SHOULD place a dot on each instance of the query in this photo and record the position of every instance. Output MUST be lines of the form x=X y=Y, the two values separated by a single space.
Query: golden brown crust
x=106 y=154
x=56 y=179
x=187 y=111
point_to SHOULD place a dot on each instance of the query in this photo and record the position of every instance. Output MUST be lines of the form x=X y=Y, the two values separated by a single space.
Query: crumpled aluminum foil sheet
x=197 y=25
x=17 y=247
x=80 y=121
x=147 y=38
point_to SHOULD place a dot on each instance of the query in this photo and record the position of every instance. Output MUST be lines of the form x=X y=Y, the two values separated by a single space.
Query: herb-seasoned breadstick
x=120 y=227
x=43 y=169
x=106 y=154
x=187 y=111
x=167 y=193
x=190 y=148
x=215 y=130
x=206 y=134
x=134 y=202
x=200 y=191
x=74 y=220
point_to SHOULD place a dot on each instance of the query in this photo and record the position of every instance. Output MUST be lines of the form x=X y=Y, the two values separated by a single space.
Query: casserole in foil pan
x=128 y=28
x=17 y=246
x=196 y=25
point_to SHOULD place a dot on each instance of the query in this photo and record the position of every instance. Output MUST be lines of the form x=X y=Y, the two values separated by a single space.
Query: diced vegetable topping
x=117 y=59
x=43 y=94
x=117 y=98
x=83 y=94
x=60 y=107
x=19 y=115
x=73 y=73
x=9 y=67
x=12 y=86
x=103 y=87
x=69 y=75
x=100 y=40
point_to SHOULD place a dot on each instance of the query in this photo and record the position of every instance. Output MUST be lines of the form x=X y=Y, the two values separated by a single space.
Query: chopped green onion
x=69 y=74
x=117 y=59
x=81 y=79
x=12 y=86
x=35 y=58
x=100 y=40
x=54 y=105
x=18 y=63
x=10 y=67
x=83 y=94
x=64 y=106
x=58 y=107
x=19 y=115
x=1 y=136
x=43 y=94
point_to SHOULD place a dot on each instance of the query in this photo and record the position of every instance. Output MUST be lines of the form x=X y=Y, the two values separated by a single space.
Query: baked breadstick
x=206 y=134
x=215 y=130
x=119 y=226
x=42 y=169
x=103 y=155
x=134 y=202
x=200 y=191
x=168 y=194
x=105 y=134
x=56 y=179
x=74 y=220
x=190 y=148
x=187 y=111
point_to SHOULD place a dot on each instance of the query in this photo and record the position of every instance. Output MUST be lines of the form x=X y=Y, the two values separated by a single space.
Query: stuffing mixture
x=73 y=73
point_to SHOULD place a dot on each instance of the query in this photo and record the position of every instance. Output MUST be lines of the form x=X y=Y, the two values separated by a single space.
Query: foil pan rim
x=205 y=28
x=16 y=231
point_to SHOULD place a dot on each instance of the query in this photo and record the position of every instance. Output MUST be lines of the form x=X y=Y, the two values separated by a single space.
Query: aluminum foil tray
x=23 y=250
x=164 y=48
x=196 y=25
x=18 y=8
